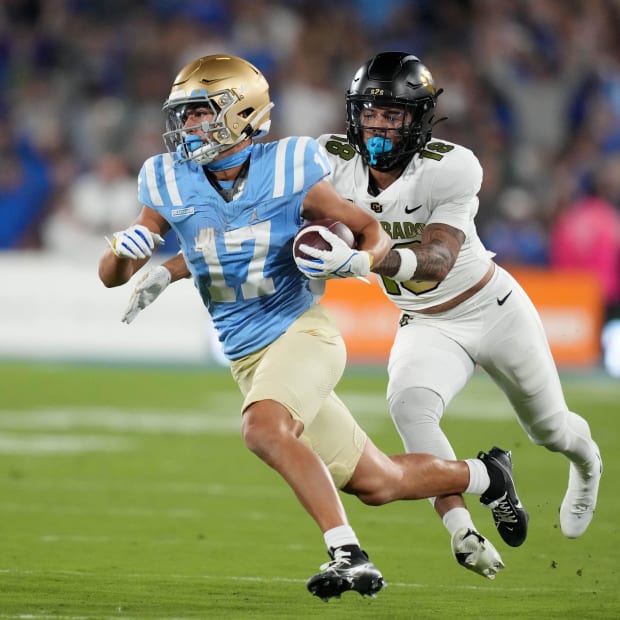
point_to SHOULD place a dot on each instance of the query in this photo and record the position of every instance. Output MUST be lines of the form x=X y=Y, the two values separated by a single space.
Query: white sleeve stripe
x=151 y=183
x=280 y=168
x=171 y=180
x=298 y=164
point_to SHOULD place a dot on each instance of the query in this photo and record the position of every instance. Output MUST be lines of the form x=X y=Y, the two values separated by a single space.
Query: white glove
x=148 y=289
x=339 y=262
x=135 y=242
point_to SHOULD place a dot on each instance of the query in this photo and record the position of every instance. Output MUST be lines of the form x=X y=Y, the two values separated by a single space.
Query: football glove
x=339 y=262
x=135 y=242
x=148 y=289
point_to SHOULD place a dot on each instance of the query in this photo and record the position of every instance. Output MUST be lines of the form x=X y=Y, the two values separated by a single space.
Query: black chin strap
x=373 y=190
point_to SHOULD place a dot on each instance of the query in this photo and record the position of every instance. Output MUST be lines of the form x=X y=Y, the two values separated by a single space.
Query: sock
x=457 y=518
x=340 y=536
x=479 y=480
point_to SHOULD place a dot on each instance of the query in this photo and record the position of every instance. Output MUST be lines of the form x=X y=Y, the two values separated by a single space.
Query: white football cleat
x=476 y=553
x=579 y=503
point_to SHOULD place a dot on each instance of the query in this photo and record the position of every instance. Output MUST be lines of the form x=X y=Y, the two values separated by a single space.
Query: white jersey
x=434 y=355
x=439 y=185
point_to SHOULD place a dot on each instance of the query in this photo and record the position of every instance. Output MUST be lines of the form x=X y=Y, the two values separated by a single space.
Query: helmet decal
x=427 y=80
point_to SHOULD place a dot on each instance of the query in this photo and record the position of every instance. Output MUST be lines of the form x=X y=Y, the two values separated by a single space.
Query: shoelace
x=503 y=511
x=341 y=558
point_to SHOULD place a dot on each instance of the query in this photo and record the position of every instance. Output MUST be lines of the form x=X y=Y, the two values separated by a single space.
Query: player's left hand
x=135 y=242
x=339 y=262
x=148 y=289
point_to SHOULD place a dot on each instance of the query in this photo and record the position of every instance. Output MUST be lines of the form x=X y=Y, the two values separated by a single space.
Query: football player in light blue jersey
x=235 y=206
x=239 y=250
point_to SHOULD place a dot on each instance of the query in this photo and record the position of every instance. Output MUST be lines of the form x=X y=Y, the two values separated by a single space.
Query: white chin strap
x=206 y=153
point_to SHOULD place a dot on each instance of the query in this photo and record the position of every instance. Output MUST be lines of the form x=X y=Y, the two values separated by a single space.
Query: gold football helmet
x=237 y=93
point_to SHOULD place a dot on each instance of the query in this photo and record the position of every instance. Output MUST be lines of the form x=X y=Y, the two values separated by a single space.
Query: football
x=308 y=235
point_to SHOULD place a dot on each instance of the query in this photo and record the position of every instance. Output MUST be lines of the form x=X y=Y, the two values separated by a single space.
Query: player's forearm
x=376 y=242
x=389 y=265
x=432 y=259
x=115 y=271
x=177 y=267
x=419 y=262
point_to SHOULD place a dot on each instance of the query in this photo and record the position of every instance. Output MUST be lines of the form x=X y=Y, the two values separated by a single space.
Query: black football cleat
x=508 y=513
x=349 y=569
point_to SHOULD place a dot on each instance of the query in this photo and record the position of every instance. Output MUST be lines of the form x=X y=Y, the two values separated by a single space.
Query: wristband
x=408 y=266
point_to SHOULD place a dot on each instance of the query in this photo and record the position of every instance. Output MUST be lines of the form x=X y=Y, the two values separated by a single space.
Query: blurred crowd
x=531 y=86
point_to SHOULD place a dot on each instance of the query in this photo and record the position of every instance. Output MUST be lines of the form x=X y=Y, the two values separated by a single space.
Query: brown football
x=308 y=235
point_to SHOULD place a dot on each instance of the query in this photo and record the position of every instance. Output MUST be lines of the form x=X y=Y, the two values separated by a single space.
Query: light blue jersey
x=240 y=252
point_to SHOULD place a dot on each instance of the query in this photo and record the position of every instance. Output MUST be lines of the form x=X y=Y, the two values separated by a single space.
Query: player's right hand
x=135 y=242
x=148 y=289
x=341 y=261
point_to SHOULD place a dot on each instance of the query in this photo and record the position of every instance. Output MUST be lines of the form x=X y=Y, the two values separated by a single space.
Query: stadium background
x=125 y=489
x=532 y=87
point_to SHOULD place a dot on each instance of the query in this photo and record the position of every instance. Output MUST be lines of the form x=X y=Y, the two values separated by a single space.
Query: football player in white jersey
x=458 y=308
x=235 y=206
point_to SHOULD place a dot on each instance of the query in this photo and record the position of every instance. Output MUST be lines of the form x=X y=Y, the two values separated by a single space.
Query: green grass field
x=127 y=493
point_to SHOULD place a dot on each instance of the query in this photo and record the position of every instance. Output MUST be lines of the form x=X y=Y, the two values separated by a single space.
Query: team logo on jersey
x=377 y=207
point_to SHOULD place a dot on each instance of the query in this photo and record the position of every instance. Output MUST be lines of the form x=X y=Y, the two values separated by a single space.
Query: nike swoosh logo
x=502 y=301
x=408 y=210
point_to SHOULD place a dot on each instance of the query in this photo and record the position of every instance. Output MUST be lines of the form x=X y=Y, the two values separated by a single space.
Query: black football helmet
x=399 y=80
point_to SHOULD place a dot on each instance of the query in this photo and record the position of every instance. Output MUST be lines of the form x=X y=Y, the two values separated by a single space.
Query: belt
x=455 y=301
